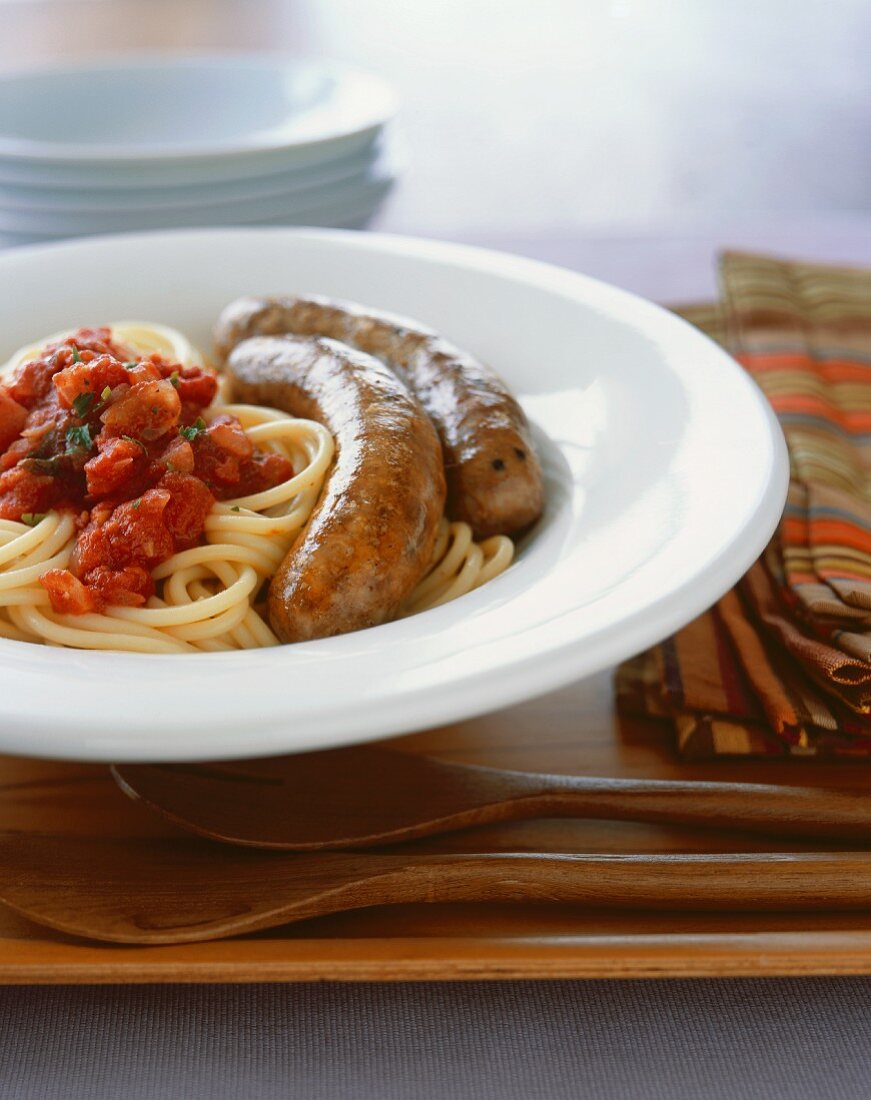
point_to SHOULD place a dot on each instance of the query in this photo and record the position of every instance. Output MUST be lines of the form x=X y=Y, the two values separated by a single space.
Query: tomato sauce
x=119 y=440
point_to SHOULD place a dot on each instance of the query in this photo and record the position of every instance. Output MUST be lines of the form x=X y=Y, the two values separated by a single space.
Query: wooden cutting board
x=573 y=731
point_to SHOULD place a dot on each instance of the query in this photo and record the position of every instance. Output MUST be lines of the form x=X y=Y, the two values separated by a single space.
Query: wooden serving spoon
x=150 y=891
x=359 y=797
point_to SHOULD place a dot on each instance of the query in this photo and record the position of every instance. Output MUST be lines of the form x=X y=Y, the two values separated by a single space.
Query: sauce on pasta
x=119 y=440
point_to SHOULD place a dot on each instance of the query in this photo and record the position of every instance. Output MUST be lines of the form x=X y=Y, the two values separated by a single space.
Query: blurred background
x=566 y=129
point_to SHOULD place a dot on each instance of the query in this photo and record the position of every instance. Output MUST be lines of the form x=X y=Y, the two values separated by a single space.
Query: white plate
x=31 y=198
x=666 y=474
x=351 y=209
x=203 y=172
x=370 y=184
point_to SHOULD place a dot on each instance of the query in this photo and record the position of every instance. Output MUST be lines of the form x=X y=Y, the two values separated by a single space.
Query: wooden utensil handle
x=750 y=807
x=815 y=880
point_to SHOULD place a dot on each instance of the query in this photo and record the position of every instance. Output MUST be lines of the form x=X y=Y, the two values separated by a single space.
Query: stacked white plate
x=161 y=142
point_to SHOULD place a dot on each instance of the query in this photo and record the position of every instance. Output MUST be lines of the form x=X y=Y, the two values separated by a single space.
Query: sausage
x=494 y=477
x=371 y=535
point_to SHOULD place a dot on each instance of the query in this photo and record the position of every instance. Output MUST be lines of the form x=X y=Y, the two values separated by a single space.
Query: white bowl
x=180 y=107
x=183 y=119
x=666 y=474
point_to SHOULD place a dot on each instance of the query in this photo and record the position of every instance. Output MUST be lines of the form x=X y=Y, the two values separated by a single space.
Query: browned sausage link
x=371 y=535
x=494 y=478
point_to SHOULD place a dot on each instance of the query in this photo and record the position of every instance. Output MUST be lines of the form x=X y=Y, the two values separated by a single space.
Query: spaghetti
x=207 y=598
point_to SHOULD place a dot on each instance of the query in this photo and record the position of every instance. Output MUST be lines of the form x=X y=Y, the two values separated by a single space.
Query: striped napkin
x=782 y=663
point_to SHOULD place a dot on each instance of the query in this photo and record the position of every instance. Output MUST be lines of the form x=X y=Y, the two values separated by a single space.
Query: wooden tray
x=572 y=731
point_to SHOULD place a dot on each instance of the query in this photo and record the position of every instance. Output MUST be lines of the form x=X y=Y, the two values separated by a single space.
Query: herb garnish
x=192 y=431
x=174 y=378
x=32 y=518
x=107 y=393
x=82 y=404
x=138 y=442
x=135 y=503
x=79 y=439
x=76 y=357
x=45 y=459
x=234 y=508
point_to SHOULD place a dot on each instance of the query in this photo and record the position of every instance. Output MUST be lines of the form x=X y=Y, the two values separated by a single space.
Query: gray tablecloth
x=736 y=1040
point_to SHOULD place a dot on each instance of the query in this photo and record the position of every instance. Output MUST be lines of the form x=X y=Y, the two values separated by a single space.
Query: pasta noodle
x=207 y=598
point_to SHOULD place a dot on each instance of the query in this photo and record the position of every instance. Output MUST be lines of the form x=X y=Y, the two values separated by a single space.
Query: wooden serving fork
x=364 y=796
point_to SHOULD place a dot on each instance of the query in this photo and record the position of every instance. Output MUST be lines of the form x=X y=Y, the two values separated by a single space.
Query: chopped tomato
x=129 y=586
x=186 y=510
x=196 y=387
x=43 y=436
x=261 y=471
x=33 y=379
x=226 y=461
x=67 y=593
x=120 y=441
x=146 y=411
x=178 y=456
x=116 y=463
x=229 y=436
x=21 y=448
x=95 y=341
x=134 y=533
x=85 y=382
x=23 y=493
x=12 y=418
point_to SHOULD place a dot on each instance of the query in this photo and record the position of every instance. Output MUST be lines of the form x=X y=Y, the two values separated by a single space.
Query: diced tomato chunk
x=219 y=451
x=129 y=586
x=229 y=436
x=189 y=504
x=96 y=341
x=227 y=462
x=196 y=387
x=143 y=371
x=21 y=448
x=135 y=533
x=12 y=418
x=116 y=464
x=178 y=456
x=88 y=379
x=262 y=471
x=43 y=435
x=147 y=411
x=23 y=493
x=67 y=593
x=32 y=380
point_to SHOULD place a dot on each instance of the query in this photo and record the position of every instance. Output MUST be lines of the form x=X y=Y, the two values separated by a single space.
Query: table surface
x=733 y=1038
x=629 y=141
x=572 y=731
